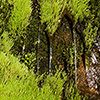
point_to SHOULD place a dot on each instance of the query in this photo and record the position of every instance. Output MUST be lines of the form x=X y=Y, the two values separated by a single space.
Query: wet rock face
x=97 y=42
x=89 y=79
x=93 y=73
x=93 y=78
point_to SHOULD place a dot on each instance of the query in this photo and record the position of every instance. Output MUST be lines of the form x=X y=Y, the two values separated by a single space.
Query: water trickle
x=38 y=52
x=75 y=57
x=50 y=59
x=23 y=49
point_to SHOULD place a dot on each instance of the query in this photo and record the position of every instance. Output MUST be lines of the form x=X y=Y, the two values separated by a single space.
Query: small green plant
x=20 y=14
x=51 y=11
x=71 y=92
x=30 y=60
x=6 y=43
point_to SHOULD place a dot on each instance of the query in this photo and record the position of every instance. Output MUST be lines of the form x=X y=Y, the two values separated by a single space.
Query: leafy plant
x=19 y=16
x=30 y=60
x=17 y=83
x=51 y=11
x=6 y=42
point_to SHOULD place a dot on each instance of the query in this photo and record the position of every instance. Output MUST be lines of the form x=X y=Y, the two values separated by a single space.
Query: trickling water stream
x=23 y=49
x=75 y=57
x=50 y=58
x=38 y=52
